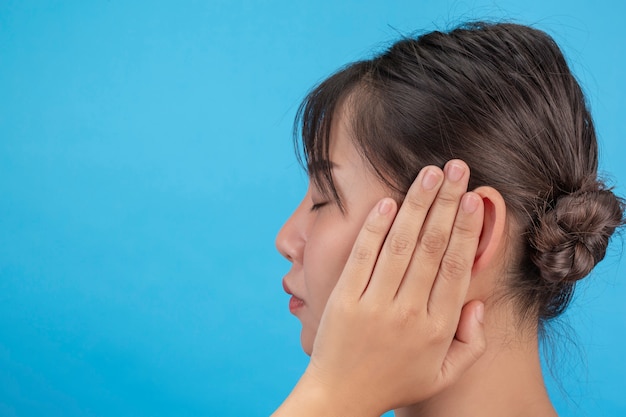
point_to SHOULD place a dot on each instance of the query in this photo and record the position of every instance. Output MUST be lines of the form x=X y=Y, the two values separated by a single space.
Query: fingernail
x=454 y=171
x=384 y=206
x=469 y=203
x=430 y=179
x=480 y=313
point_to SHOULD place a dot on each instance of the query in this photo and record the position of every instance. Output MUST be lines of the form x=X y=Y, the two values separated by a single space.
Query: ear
x=492 y=235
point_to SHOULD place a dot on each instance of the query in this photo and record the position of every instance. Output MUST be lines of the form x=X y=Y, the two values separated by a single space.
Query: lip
x=286 y=287
x=295 y=303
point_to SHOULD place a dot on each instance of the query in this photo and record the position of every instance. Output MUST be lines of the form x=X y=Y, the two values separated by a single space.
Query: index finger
x=401 y=241
x=360 y=265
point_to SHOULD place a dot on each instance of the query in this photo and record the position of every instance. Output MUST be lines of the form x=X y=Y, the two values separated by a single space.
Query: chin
x=306 y=340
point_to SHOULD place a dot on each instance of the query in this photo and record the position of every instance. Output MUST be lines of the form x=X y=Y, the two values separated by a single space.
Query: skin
x=361 y=300
x=451 y=335
x=309 y=238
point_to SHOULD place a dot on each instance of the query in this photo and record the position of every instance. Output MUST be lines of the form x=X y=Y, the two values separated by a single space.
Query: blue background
x=146 y=165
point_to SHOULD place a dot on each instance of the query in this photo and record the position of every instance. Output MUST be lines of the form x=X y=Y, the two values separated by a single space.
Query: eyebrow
x=315 y=167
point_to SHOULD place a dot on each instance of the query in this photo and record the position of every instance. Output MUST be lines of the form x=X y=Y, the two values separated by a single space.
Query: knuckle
x=377 y=310
x=465 y=229
x=346 y=309
x=448 y=199
x=373 y=228
x=440 y=338
x=454 y=266
x=433 y=242
x=362 y=253
x=407 y=316
x=400 y=244
x=415 y=203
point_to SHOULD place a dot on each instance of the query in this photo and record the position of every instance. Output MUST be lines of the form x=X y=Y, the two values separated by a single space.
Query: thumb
x=468 y=344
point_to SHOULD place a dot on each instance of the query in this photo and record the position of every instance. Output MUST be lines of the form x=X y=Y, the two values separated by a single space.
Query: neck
x=505 y=382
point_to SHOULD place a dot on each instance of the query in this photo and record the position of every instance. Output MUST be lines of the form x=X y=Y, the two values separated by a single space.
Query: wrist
x=311 y=397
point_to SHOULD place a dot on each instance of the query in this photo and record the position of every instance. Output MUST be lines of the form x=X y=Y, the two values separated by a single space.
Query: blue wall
x=146 y=165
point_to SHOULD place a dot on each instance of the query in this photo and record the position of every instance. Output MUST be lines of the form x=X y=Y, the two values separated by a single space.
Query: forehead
x=342 y=153
x=345 y=160
x=341 y=146
x=328 y=138
x=331 y=148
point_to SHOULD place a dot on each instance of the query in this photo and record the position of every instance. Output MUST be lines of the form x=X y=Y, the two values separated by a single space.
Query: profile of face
x=418 y=104
x=318 y=237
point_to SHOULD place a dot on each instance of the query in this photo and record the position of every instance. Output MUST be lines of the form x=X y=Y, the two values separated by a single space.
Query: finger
x=358 y=269
x=401 y=241
x=435 y=235
x=450 y=287
x=468 y=345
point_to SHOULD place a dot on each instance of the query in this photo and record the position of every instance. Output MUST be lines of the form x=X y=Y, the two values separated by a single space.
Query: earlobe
x=494 y=223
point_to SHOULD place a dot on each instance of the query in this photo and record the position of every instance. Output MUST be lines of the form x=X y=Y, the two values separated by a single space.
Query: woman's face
x=318 y=237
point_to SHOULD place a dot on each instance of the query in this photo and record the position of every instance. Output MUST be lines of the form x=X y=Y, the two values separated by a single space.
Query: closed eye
x=318 y=206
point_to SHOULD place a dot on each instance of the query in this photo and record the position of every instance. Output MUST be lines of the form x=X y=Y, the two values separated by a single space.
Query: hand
x=395 y=330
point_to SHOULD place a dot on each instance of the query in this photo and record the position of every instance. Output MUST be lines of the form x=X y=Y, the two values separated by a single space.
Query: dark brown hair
x=502 y=98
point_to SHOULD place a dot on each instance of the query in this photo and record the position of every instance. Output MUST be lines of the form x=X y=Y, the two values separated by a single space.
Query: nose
x=291 y=238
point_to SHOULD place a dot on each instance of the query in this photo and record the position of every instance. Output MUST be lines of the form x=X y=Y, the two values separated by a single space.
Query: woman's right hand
x=397 y=329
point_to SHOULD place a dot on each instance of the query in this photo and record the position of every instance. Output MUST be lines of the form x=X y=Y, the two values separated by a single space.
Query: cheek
x=325 y=258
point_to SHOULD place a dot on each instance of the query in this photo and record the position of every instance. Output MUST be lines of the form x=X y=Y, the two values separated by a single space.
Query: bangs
x=392 y=112
x=313 y=125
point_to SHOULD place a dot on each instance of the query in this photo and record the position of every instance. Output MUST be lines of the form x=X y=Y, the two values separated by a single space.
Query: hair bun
x=572 y=237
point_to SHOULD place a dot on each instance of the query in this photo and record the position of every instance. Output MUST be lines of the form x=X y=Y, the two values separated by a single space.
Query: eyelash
x=317 y=206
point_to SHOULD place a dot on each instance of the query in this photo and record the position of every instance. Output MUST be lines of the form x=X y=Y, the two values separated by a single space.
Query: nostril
x=289 y=242
x=282 y=248
x=282 y=244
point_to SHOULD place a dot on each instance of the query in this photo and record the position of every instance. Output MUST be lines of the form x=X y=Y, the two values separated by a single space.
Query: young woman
x=443 y=318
